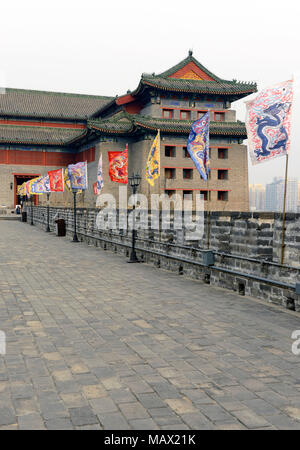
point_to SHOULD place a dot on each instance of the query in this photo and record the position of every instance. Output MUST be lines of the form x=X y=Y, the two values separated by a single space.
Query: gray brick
x=143 y=424
x=113 y=421
x=103 y=405
x=31 y=422
x=83 y=416
x=133 y=411
x=7 y=416
x=59 y=424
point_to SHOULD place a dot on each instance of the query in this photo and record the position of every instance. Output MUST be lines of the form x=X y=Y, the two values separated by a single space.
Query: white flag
x=268 y=122
x=100 y=181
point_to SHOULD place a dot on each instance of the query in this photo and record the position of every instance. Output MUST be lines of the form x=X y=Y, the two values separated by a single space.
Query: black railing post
x=133 y=257
x=75 y=238
x=134 y=182
x=48 y=213
x=31 y=204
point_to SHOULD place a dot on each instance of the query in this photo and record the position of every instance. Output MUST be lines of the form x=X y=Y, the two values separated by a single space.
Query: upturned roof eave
x=107 y=130
x=185 y=129
x=201 y=90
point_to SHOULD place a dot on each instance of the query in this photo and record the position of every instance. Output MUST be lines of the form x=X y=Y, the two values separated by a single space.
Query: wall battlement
x=246 y=248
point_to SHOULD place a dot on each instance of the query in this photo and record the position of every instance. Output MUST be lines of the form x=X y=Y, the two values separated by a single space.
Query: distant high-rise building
x=275 y=195
x=257 y=197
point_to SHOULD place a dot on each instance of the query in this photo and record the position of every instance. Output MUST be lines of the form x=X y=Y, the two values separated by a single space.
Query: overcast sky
x=96 y=47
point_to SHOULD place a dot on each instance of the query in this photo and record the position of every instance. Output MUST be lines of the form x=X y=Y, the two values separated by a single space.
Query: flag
x=56 y=180
x=268 y=122
x=34 y=187
x=198 y=145
x=42 y=185
x=153 y=162
x=100 y=181
x=30 y=186
x=78 y=176
x=68 y=182
x=118 y=166
x=22 y=190
x=27 y=188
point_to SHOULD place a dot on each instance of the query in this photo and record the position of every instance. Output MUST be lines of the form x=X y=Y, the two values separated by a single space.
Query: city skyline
x=269 y=196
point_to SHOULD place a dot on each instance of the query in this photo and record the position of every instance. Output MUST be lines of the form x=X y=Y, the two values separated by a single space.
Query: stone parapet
x=245 y=250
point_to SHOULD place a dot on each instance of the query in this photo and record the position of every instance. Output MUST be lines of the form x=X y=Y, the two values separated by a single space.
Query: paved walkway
x=94 y=342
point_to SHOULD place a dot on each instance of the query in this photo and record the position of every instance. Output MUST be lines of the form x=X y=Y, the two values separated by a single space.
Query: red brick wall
x=40 y=158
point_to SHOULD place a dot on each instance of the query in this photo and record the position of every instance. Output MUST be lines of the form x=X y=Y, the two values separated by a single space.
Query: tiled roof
x=56 y=105
x=183 y=63
x=120 y=123
x=218 y=86
x=231 y=88
x=199 y=86
x=11 y=134
x=184 y=126
x=125 y=123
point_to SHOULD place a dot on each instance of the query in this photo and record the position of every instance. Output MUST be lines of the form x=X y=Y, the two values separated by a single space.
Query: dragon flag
x=56 y=180
x=68 y=182
x=268 y=122
x=153 y=162
x=78 y=176
x=100 y=181
x=118 y=166
x=42 y=185
x=30 y=186
x=198 y=145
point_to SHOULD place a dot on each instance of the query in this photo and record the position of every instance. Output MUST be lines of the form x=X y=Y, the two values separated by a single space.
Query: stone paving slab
x=96 y=343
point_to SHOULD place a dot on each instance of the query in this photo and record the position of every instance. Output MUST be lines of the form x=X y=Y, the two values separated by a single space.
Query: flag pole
x=75 y=237
x=159 y=188
x=208 y=213
x=208 y=203
x=284 y=210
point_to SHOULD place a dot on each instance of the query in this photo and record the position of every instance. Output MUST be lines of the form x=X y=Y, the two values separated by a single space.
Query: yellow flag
x=31 y=186
x=153 y=162
x=22 y=190
x=68 y=182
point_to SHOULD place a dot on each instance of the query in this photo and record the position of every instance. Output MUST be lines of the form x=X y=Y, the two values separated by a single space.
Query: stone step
x=10 y=217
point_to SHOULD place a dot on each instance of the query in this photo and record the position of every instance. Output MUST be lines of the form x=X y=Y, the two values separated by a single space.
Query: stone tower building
x=41 y=131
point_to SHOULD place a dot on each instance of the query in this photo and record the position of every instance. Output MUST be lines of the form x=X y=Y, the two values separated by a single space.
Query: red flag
x=56 y=180
x=95 y=188
x=118 y=166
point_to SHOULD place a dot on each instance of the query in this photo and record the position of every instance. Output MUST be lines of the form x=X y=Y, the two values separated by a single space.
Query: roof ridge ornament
x=190 y=52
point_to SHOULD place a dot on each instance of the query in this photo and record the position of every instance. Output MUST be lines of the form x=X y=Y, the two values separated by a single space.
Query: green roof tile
x=124 y=123
x=200 y=86
x=52 y=105
x=38 y=135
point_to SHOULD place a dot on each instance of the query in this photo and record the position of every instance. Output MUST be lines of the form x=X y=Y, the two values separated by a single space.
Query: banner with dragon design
x=153 y=162
x=198 y=145
x=42 y=185
x=56 y=180
x=118 y=166
x=78 y=176
x=268 y=122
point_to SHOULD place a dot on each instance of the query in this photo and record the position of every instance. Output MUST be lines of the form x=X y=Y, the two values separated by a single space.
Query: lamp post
x=75 y=238
x=134 y=182
x=48 y=213
x=31 y=209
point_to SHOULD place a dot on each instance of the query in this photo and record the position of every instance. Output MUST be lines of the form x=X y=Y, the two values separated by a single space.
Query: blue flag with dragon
x=198 y=145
